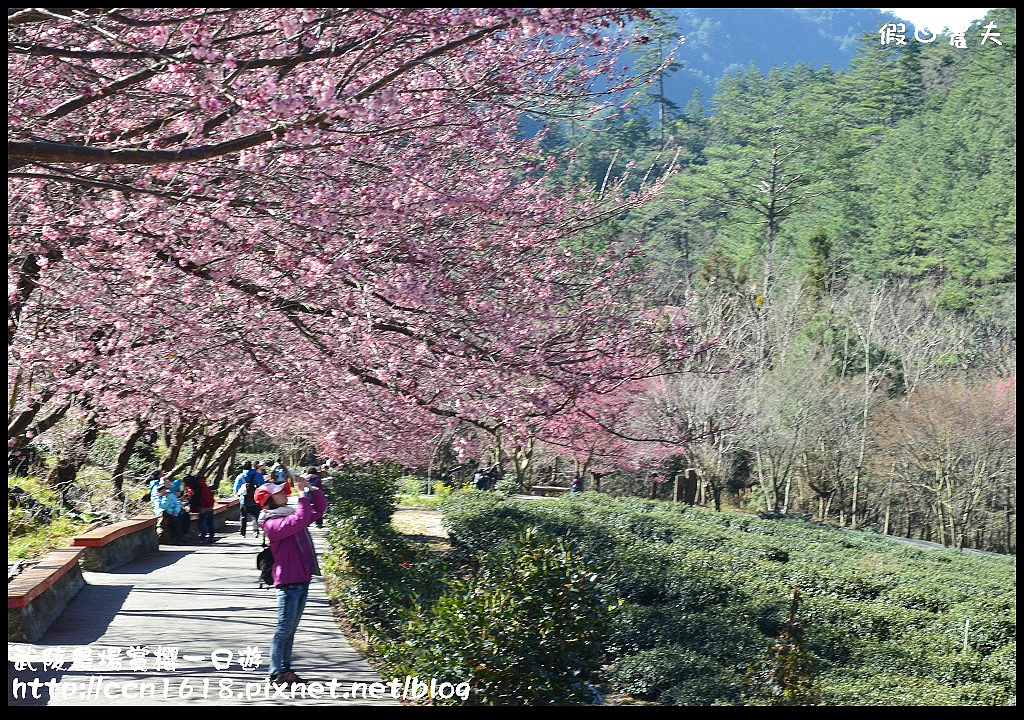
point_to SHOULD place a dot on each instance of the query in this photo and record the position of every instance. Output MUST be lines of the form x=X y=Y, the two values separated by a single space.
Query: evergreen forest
x=847 y=241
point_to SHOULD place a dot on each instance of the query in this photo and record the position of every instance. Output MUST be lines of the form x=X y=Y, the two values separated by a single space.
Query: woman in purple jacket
x=294 y=563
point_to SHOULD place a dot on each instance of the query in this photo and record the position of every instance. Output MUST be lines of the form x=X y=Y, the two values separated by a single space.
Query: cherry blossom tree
x=319 y=221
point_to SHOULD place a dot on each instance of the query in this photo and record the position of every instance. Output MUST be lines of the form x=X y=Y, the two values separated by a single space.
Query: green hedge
x=705 y=595
x=522 y=620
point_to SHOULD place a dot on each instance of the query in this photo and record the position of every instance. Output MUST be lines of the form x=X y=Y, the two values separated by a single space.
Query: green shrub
x=725 y=634
x=507 y=485
x=377 y=577
x=989 y=630
x=411 y=485
x=641 y=574
x=699 y=580
x=380 y=579
x=366 y=497
x=704 y=595
x=675 y=675
x=869 y=687
x=642 y=627
x=837 y=630
x=527 y=629
x=785 y=676
x=485 y=521
x=1002 y=669
x=479 y=521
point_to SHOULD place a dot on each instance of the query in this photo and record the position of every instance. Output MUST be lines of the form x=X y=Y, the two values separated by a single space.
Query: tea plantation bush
x=705 y=599
x=523 y=623
x=527 y=628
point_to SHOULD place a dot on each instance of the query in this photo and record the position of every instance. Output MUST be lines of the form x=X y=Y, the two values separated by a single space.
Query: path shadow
x=88 y=615
x=22 y=690
x=153 y=560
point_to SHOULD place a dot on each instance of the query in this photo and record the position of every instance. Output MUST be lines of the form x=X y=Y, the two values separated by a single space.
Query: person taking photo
x=286 y=528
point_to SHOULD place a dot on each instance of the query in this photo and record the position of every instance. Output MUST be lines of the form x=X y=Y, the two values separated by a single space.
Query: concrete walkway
x=187 y=625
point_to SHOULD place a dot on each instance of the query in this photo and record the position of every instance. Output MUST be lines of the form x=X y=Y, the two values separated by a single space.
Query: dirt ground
x=421 y=524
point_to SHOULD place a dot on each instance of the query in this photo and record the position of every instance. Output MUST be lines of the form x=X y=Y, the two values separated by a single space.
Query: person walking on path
x=280 y=473
x=248 y=482
x=201 y=501
x=248 y=473
x=295 y=563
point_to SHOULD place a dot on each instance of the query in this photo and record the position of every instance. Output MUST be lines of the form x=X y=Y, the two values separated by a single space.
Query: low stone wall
x=110 y=546
x=223 y=510
x=37 y=596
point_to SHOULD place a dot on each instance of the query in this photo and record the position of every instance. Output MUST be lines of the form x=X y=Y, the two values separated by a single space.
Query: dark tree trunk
x=122 y=460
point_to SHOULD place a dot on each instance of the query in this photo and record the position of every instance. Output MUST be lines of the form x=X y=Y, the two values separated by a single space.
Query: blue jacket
x=240 y=480
x=166 y=503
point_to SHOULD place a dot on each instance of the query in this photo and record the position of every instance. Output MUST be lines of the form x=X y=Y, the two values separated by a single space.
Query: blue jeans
x=206 y=524
x=291 y=601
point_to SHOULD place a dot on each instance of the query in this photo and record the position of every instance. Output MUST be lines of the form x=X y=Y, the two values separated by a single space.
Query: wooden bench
x=37 y=596
x=549 y=489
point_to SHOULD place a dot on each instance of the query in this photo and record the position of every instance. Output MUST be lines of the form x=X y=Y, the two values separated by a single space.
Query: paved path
x=199 y=600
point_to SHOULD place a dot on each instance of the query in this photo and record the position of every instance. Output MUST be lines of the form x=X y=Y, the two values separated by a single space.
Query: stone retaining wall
x=37 y=596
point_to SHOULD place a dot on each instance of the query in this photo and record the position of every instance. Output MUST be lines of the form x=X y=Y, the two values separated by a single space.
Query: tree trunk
x=856 y=491
x=1008 y=522
x=17 y=425
x=206 y=456
x=764 y=486
x=175 y=442
x=224 y=463
x=521 y=458
x=123 y=457
x=19 y=433
x=229 y=463
x=64 y=472
x=951 y=514
x=942 y=520
x=785 y=497
x=875 y=303
x=62 y=477
x=888 y=500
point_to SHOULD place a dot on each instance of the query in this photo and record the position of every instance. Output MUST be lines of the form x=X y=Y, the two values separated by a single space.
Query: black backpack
x=265 y=564
x=250 y=492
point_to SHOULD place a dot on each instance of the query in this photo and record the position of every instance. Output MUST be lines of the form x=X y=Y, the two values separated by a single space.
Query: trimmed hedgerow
x=677 y=605
x=705 y=598
x=522 y=622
